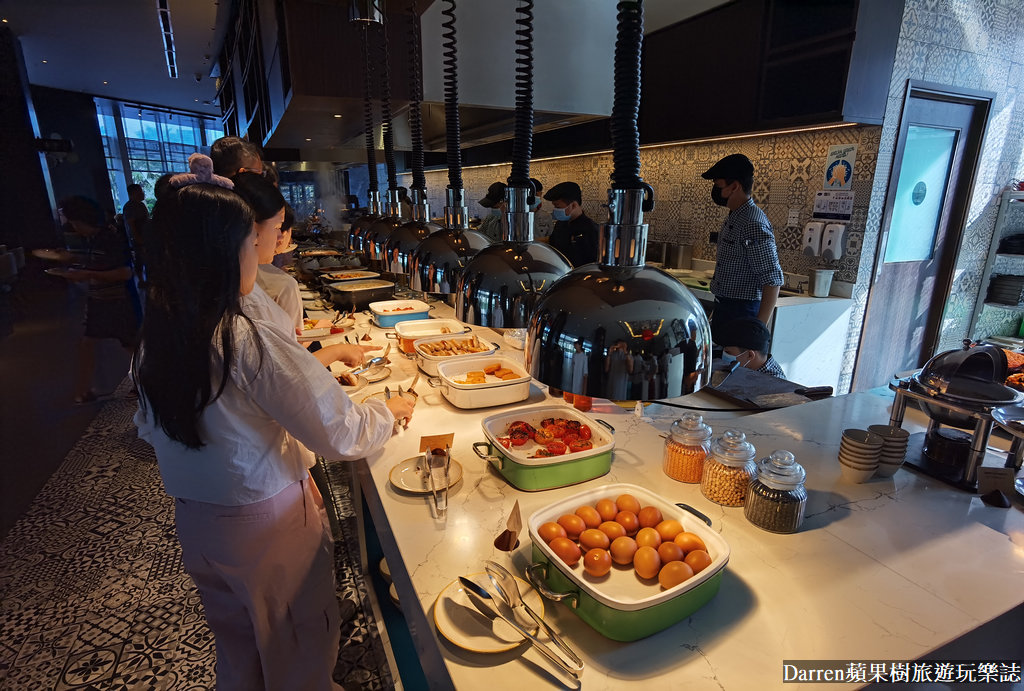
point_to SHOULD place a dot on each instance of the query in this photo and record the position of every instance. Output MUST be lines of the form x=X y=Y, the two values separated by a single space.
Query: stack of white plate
x=894 y=448
x=859 y=452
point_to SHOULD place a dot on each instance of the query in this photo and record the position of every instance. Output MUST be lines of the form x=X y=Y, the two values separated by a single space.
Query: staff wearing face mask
x=574 y=234
x=495 y=202
x=747 y=273
x=747 y=340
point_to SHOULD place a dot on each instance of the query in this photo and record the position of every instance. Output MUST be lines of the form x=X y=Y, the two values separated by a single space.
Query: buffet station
x=625 y=545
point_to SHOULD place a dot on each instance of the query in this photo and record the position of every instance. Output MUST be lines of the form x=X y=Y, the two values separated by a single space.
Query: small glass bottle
x=686 y=447
x=582 y=403
x=728 y=469
x=776 y=498
x=567 y=397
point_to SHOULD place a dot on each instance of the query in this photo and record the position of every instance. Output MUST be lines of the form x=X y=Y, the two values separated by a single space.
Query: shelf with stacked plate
x=1000 y=302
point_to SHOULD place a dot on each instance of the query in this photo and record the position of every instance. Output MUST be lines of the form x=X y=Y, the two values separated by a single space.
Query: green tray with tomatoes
x=546 y=447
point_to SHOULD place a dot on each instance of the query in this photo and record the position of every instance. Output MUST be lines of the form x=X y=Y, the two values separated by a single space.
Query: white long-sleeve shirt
x=251 y=431
x=282 y=289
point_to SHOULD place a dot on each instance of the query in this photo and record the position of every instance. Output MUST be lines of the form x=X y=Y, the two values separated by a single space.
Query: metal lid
x=732 y=448
x=690 y=429
x=983 y=363
x=781 y=471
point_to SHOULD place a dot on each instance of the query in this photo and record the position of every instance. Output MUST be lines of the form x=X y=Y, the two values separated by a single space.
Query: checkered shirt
x=747 y=256
x=772 y=367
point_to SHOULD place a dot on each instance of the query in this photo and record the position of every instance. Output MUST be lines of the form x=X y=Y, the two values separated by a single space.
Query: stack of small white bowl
x=859 y=452
x=894 y=448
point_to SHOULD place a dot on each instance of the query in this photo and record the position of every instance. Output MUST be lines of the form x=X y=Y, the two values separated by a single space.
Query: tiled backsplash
x=788 y=170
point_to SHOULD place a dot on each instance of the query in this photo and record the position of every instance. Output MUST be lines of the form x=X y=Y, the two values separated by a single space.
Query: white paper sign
x=833 y=206
x=839 y=166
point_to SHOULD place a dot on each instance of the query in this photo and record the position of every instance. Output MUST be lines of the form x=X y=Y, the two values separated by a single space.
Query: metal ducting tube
x=438 y=261
x=619 y=329
x=502 y=284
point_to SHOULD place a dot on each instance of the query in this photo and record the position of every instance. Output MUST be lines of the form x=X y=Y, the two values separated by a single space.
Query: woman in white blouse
x=226 y=395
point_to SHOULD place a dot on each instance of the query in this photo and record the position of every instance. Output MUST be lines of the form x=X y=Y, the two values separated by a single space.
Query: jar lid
x=690 y=429
x=781 y=471
x=732 y=448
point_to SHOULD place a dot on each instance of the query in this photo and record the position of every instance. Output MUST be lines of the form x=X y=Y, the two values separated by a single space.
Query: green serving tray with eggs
x=535 y=474
x=621 y=606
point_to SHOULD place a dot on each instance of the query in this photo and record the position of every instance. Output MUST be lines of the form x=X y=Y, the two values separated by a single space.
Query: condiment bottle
x=686 y=447
x=728 y=469
x=776 y=497
x=582 y=403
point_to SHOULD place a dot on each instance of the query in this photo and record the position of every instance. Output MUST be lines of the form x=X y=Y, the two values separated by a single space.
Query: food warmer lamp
x=959 y=390
x=437 y=262
x=501 y=285
x=619 y=308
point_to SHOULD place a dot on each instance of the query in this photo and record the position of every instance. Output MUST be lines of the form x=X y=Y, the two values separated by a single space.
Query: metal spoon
x=507 y=587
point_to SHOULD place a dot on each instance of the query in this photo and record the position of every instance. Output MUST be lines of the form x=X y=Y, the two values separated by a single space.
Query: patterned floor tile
x=95 y=595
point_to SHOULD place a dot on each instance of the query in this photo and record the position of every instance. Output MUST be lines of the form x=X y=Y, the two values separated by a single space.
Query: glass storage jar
x=776 y=497
x=686 y=447
x=728 y=469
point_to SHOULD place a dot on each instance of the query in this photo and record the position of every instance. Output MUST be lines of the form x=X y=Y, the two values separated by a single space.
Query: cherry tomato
x=580 y=445
x=519 y=437
x=556 y=448
x=573 y=425
x=505 y=441
x=522 y=426
x=557 y=430
x=585 y=432
x=542 y=453
x=547 y=422
x=569 y=437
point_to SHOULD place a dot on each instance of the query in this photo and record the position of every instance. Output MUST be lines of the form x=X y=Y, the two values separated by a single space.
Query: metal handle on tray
x=435 y=382
x=497 y=460
x=695 y=512
x=393 y=335
x=536 y=573
x=602 y=422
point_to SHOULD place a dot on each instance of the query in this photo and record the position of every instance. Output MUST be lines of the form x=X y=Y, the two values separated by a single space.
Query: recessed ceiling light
x=44 y=62
x=196 y=100
x=337 y=115
x=4 y=21
x=104 y=82
x=308 y=139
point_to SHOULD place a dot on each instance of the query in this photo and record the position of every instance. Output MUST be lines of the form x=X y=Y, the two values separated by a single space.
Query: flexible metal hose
x=451 y=97
x=387 y=133
x=371 y=151
x=626 y=106
x=522 y=142
x=419 y=180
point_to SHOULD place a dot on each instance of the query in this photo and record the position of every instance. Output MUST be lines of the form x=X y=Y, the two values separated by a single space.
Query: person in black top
x=574 y=234
x=103 y=262
x=747 y=340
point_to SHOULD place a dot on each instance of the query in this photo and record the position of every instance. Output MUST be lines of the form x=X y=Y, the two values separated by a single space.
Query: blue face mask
x=728 y=359
x=559 y=214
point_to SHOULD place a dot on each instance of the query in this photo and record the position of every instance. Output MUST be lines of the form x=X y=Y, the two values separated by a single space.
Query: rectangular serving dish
x=620 y=605
x=357 y=295
x=533 y=474
x=388 y=313
x=408 y=331
x=428 y=363
x=492 y=392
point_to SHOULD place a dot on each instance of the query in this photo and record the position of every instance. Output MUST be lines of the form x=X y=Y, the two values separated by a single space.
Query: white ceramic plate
x=377 y=374
x=408 y=475
x=461 y=623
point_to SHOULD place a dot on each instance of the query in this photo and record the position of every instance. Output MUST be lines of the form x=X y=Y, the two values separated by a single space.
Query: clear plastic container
x=776 y=498
x=687 y=445
x=728 y=469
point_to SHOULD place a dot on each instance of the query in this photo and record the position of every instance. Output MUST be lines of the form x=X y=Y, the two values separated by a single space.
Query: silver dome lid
x=501 y=285
x=437 y=262
x=402 y=242
x=623 y=317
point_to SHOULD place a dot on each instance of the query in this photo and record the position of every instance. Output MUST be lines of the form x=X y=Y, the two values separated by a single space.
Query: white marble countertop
x=890 y=569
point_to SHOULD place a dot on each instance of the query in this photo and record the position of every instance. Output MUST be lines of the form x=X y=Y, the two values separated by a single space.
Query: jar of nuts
x=686 y=447
x=776 y=497
x=728 y=469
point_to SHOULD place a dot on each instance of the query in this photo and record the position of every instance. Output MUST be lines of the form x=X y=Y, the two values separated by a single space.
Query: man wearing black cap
x=574 y=234
x=747 y=340
x=747 y=272
x=495 y=201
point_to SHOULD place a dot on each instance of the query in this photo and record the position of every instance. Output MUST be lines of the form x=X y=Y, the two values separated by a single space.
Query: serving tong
x=491 y=608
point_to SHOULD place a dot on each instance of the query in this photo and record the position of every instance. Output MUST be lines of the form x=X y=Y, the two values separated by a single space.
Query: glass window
x=156 y=142
x=920 y=193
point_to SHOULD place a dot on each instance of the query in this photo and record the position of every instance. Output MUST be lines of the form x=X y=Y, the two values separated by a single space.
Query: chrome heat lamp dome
x=438 y=261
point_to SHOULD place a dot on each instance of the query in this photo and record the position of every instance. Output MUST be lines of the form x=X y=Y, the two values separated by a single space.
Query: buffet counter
x=886 y=570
